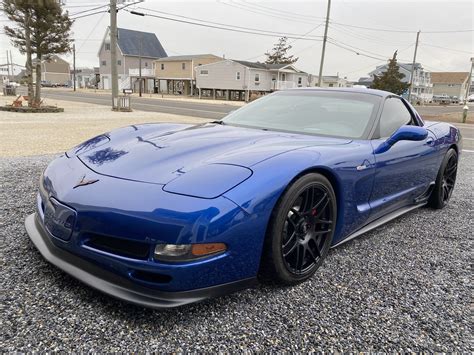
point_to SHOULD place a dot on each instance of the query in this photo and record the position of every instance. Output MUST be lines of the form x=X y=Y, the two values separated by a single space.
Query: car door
x=406 y=170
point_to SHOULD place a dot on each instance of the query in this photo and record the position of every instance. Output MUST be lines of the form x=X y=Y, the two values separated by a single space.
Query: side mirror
x=404 y=133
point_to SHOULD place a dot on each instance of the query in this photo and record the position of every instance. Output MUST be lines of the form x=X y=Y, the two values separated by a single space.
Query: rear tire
x=445 y=181
x=300 y=231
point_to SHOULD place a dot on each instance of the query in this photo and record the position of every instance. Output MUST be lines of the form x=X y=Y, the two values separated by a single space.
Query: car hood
x=158 y=153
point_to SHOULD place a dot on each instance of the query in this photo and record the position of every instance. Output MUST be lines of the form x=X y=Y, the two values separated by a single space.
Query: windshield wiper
x=218 y=122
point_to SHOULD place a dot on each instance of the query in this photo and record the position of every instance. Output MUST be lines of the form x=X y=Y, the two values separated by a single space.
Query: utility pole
x=320 y=77
x=11 y=63
x=413 y=66
x=8 y=67
x=469 y=80
x=74 y=65
x=113 y=51
x=140 y=68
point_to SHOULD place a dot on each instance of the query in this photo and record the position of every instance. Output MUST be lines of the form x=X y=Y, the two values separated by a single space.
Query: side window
x=394 y=115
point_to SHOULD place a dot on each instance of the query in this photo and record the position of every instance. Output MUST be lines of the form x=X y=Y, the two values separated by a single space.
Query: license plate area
x=59 y=219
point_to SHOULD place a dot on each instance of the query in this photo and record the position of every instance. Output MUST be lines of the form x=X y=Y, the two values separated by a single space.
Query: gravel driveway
x=406 y=286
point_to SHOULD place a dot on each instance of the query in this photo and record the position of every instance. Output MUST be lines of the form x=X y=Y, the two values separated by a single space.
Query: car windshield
x=336 y=113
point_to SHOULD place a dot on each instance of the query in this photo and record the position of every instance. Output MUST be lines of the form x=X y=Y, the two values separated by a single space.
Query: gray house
x=422 y=86
x=132 y=45
x=238 y=79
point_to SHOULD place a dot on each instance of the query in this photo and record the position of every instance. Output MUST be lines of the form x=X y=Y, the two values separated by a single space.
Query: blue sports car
x=163 y=215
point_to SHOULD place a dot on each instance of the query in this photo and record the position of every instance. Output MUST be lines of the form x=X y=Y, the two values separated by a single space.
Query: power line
x=449 y=49
x=265 y=13
x=399 y=31
x=89 y=10
x=352 y=50
x=280 y=12
x=364 y=37
x=90 y=33
x=232 y=28
x=357 y=50
x=87 y=15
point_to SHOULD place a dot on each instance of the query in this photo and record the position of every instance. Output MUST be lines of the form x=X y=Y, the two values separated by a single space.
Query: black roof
x=129 y=43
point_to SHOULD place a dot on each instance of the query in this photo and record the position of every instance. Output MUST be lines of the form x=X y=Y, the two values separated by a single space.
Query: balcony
x=145 y=72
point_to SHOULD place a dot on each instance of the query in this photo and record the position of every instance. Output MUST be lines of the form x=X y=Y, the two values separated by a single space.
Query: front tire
x=300 y=231
x=445 y=181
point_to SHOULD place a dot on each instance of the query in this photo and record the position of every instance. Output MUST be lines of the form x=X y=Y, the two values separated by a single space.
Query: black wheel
x=300 y=231
x=445 y=181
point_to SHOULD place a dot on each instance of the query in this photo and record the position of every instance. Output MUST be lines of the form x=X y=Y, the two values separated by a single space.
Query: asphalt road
x=440 y=109
x=404 y=287
x=186 y=108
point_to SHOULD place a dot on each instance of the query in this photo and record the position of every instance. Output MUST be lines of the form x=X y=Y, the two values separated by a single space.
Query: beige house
x=450 y=83
x=177 y=75
x=54 y=70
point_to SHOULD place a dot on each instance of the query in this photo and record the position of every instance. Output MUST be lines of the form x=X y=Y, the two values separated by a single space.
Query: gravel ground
x=406 y=286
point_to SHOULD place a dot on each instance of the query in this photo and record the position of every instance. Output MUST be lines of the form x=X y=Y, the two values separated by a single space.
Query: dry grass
x=24 y=134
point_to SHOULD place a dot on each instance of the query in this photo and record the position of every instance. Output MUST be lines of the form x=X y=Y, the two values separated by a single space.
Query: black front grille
x=151 y=277
x=118 y=246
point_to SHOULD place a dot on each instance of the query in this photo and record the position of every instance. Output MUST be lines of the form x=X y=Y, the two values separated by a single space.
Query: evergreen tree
x=21 y=13
x=41 y=28
x=279 y=53
x=391 y=80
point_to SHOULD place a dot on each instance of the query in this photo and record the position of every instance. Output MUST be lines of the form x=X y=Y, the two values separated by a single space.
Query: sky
x=352 y=52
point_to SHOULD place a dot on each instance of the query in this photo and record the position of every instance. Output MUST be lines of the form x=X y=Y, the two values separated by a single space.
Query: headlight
x=187 y=252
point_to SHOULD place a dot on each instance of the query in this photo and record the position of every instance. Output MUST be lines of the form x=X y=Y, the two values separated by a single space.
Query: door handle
x=430 y=142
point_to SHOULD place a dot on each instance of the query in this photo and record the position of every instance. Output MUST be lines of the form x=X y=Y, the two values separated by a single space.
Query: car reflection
x=106 y=155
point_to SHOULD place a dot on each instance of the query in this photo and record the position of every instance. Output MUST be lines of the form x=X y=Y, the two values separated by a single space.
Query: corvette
x=163 y=215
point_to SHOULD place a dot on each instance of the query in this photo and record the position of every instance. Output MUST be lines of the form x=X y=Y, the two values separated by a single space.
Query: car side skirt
x=380 y=221
x=117 y=286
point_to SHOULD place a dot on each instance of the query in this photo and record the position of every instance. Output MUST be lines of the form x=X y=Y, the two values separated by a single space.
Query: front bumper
x=114 y=285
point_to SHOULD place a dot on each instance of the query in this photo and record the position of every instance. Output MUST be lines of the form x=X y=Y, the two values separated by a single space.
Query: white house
x=329 y=81
x=238 y=79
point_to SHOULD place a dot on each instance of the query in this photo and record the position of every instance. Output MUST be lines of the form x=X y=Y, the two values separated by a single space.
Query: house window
x=107 y=46
x=204 y=72
x=162 y=66
x=300 y=80
x=146 y=64
x=331 y=85
x=237 y=76
x=257 y=78
x=274 y=77
x=119 y=62
x=183 y=66
x=283 y=77
x=104 y=63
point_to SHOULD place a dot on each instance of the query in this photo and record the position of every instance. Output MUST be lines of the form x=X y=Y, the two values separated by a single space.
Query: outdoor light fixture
x=187 y=252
